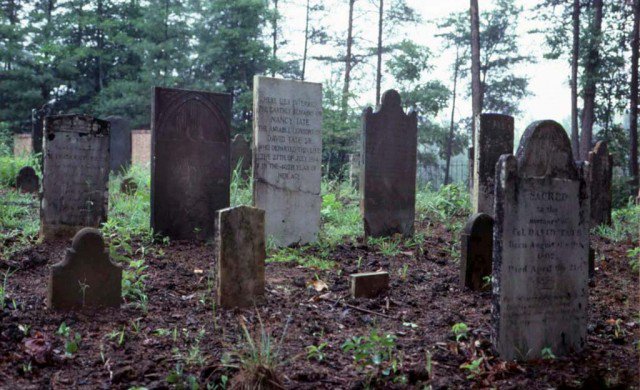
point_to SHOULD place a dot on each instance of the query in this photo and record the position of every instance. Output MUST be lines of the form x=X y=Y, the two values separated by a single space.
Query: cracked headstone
x=241 y=252
x=241 y=156
x=477 y=252
x=120 y=144
x=388 y=176
x=141 y=147
x=75 y=177
x=287 y=136
x=600 y=176
x=86 y=278
x=541 y=247
x=27 y=180
x=493 y=139
x=190 y=167
x=369 y=284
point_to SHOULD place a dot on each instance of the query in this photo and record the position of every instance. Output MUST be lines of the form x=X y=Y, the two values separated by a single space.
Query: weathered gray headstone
x=120 y=146
x=37 y=126
x=354 y=170
x=388 y=184
x=86 y=278
x=76 y=174
x=22 y=145
x=141 y=147
x=600 y=172
x=369 y=284
x=27 y=180
x=541 y=247
x=477 y=252
x=287 y=137
x=241 y=154
x=190 y=167
x=241 y=252
x=494 y=138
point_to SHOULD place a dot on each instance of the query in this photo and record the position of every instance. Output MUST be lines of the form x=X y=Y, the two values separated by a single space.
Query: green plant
x=71 y=339
x=375 y=350
x=24 y=328
x=404 y=271
x=180 y=380
x=634 y=259
x=460 y=331
x=3 y=288
x=473 y=368
x=547 y=353
x=133 y=283
x=315 y=352
x=118 y=335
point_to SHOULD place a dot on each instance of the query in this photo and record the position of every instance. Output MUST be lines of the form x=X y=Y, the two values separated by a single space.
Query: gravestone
x=354 y=169
x=241 y=253
x=86 y=278
x=388 y=183
x=120 y=144
x=141 y=147
x=541 y=247
x=600 y=172
x=190 y=167
x=369 y=284
x=494 y=138
x=37 y=125
x=477 y=252
x=241 y=154
x=22 y=145
x=75 y=176
x=27 y=181
x=287 y=136
x=128 y=186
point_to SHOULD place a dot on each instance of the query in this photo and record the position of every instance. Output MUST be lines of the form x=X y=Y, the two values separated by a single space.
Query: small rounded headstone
x=27 y=180
x=128 y=186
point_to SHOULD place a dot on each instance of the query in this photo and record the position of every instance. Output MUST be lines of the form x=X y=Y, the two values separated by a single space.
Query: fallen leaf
x=198 y=271
x=318 y=285
x=39 y=348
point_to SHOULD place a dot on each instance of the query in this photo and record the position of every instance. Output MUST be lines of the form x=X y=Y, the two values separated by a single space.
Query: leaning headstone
x=27 y=181
x=120 y=144
x=241 y=155
x=128 y=186
x=241 y=252
x=477 y=252
x=190 y=172
x=600 y=176
x=76 y=174
x=86 y=278
x=494 y=138
x=388 y=184
x=22 y=145
x=369 y=284
x=541 y=247
x=287 y=136
x=141 y=147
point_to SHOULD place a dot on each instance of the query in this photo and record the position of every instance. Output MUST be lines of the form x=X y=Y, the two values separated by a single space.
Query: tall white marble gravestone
x=541 y=247
x=287 y=137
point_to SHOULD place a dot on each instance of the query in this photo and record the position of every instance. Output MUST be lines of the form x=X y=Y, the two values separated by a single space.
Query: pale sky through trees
x=550 y=98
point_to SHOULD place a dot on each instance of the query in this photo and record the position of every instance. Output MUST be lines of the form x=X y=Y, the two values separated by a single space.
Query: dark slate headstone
x=369 y=284
x=120 y=144
x=241 y=252
x=600 y=172
x=37 y=125
x=27 y=181
x=388 y=184
x=190 y=164
x=75 y=176
x=86 y=278
x=241 y=154
x=128 y=186
x=494 y=138
x=541 y=247
x=477 y=252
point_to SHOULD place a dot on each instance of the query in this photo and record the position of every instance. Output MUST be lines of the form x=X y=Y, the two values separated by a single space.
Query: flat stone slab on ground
x=369 y=284
x=86 y=278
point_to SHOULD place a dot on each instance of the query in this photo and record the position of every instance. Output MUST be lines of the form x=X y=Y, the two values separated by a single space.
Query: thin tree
x=347 y=63
x=591 y=75
x=476 y=92
x=456 y=69
x=633 y=99
x=379 y=51
x=575 y=54
x=306 y=41
x=274 y=23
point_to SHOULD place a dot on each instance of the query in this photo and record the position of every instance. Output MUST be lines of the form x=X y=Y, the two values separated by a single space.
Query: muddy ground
x=181 y=340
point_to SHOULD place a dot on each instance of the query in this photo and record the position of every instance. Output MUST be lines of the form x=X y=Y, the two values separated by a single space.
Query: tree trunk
x=456 y=68
x=633 y=99
x=575 y=53
x=275 y=37
x=476 y=93
x=347 y=64
x=306 y=42
x=591 y=70
x=100 y=39
x=379 y=69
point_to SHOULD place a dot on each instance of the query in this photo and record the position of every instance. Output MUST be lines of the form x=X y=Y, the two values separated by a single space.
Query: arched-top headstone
x=541 y=247
x=477 y=252
x=86 y=278
x=388 y=184
x=190 y=163
x=241 y=154
x=128 y=186
x=120 y=144
x=600 y=176
x=27 y=180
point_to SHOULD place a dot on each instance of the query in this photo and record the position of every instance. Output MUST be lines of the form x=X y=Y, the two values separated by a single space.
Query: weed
x=24 y=328
x=473 y=368
x=178 y=378
x=460 y=331
x=404 y=271
x=315 y=352
x=71 y=339
x=634 y=259
x=3 y=288
x=376 y=350
x=118 y=335
x=547 y=353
